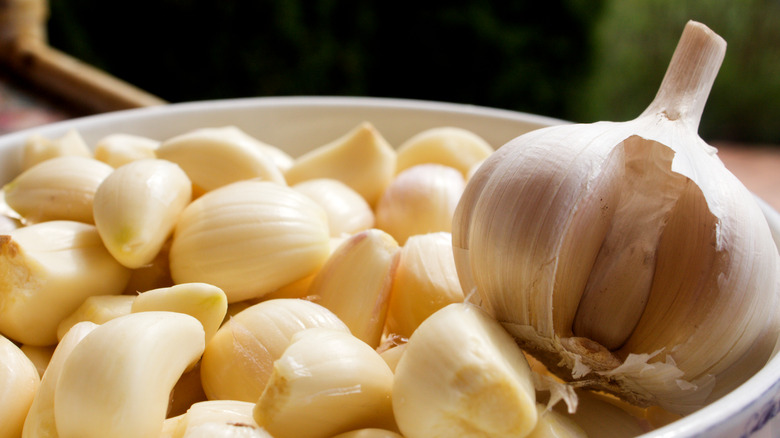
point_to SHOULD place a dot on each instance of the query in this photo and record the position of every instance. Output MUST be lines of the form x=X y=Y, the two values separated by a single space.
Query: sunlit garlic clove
x=450 y=146
x=249 y=238
x=356 y=280
x=61 y=188
x=239 y=358
x=361 y=159
x=215 y=157
x=348 y=213
x=325 y=383
x=420 y=200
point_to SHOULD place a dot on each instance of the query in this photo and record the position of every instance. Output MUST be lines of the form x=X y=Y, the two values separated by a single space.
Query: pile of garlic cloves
x=624 y=255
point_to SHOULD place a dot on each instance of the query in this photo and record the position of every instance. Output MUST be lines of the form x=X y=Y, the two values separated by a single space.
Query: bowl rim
x=763 y=387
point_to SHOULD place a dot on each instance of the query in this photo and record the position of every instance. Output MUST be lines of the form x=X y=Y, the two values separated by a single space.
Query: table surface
x=758 y=166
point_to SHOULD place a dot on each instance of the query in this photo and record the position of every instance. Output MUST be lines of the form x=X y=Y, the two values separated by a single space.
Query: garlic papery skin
x=117 y=380
x=348 y=213
x=40 y=421
x=46 y=271
x=20 y=384
x=136 y=207
x=447 y=145
x=239 y=358
x=249 y=238
x=215 y=157
x=420 y=200
x=38 y=149
x=361 y=159
x=61 y=188
x=425 y=281
x=117 y=150
x=356 y=280
x=326 y=382
x=461 y=374
x=625 y=255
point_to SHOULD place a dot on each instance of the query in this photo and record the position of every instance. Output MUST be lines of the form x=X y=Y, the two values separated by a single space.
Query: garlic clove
x=355 y=283
x=46 y=271
x=20 y=383
x=555 y=424
x=615 y=251
x=597 y=416
x=361 y=159
x=117 y=380
x=425 y=281
x=238 y=359
x=462 y=374
x=220 y=419
x=38 y=148
x=325 y=383
x=215 y=157
x=61 y=188
x=369 y=433
x=249 y=238
x=447 y=145
x=137 y=206
x=348 y=213
x=205 y=302
x=40 y=421
x=117 y=150
x=97 y=309
x=420 y=200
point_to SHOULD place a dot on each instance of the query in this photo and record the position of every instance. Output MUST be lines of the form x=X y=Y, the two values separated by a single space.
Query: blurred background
x=579 y=60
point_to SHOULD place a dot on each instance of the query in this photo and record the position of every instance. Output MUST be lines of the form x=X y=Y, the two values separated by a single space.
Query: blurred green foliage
x=574 y=59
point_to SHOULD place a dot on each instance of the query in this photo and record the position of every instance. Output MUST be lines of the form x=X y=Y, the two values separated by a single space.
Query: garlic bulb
x=625 y=255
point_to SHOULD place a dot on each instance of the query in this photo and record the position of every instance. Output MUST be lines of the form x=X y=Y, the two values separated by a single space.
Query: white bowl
x=298 y=124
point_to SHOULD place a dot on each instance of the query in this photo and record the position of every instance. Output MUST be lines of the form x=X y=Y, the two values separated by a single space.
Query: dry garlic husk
x=38 y=148
x=625 y=255
x=61 y=188
x=356 y=280
x=117 y=150
x=20 y=384
x=325 y=383
x=425 y=281
x=420 y=200
x=461 y=374
x=361 y=159
x=238 y=360
x=215 y=157
x=136 y=207
x=348 y=213
x=447 y=145
x=249 y=238
x=46 y=271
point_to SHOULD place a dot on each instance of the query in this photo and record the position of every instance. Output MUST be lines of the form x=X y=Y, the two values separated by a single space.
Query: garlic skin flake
x=625 y=255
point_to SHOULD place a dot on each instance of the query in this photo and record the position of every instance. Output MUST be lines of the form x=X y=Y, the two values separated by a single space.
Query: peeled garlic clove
x=625 y=254
x=46 y=271
x=420 y=200
x=393 y=355
x=447 y=145
x=249 y=238
x=117 y=380
x=117 y=150
x=97 y=309
x=348 y=213
x=356 y=280
x=40 y=421
x=369 y=433
x=215 y=157
x=61 y=188
x=361 y=159
x=205 y=302
x=38 y=148
x=463 y=375
x=326 y=382
x=137 y=206
x=425 y=281
x=220 y=419
x=556 y=424
x=20 y=384
x=239 y=358
x=598 y=417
